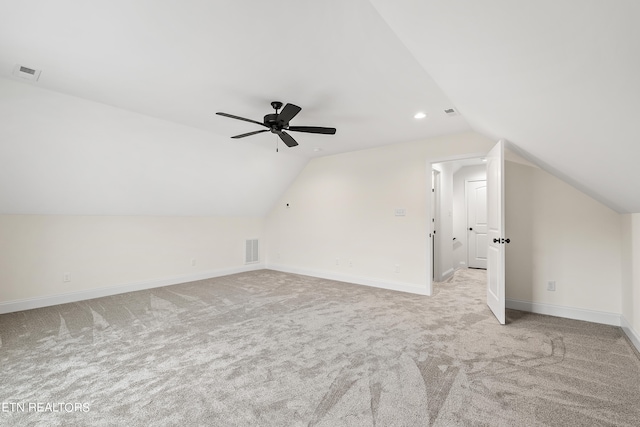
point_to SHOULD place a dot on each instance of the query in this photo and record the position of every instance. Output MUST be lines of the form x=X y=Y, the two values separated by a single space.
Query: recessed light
x=420 y=115
x=483 y=159
x=317 y=149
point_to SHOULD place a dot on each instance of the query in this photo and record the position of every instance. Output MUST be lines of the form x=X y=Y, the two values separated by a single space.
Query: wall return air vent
x=26 y=73
x=451 y=112
x=252 y=252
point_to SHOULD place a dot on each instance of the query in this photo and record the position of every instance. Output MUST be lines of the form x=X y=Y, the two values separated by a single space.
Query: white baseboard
x=567 y=312
x=634 y=337
x=37 y=302
x=447 y=274
x=329 y=275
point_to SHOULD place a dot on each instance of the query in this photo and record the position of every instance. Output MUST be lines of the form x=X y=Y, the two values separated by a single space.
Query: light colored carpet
x=275 y=349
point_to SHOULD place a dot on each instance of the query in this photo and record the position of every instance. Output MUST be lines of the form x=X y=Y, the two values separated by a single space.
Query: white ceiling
x=185 y=60
x=556 y=78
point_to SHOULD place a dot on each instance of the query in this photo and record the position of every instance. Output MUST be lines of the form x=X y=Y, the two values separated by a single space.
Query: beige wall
x=627 y=308
x=342 y=207
x=108 y=251
x=631 y=271
x=635 y=259
x=558 y=233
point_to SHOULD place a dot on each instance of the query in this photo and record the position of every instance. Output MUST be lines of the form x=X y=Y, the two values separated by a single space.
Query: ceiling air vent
x=451 y=112
x=26 y=73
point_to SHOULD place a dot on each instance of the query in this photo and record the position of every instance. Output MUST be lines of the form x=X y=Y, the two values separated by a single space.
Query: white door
x=495 y=231
x=477 y=246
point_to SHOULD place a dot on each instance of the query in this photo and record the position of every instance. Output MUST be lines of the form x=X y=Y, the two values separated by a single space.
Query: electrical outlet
x=193 y=262
x=66 y=277
x=397 y=268
x=551 y=285
x=350 y=263
x=337 y=261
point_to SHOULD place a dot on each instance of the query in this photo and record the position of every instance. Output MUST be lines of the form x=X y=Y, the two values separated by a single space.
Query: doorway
x=494 y=174
x=476 y=207
x=458 y=203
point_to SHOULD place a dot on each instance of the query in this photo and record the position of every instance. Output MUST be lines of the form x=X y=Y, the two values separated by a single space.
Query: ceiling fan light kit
x=278 y=123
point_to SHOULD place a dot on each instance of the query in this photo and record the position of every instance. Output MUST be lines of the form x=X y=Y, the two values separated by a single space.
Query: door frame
x=435 y=225
x=429 y=242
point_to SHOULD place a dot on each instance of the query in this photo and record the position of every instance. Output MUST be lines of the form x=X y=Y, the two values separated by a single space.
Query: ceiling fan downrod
x=276 y=105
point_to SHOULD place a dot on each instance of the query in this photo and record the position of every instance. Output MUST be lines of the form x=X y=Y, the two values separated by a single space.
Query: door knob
x=501 y=240
x=470 y=229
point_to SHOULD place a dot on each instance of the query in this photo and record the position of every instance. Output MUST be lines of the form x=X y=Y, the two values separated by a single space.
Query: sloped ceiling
x=121 y=120
x=182 y=61
x=559 y=79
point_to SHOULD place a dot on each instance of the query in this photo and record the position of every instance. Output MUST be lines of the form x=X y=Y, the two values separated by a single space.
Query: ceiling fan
x=278 y=123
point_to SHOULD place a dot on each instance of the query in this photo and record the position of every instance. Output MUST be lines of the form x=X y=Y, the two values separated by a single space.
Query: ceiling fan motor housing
x=271 y=120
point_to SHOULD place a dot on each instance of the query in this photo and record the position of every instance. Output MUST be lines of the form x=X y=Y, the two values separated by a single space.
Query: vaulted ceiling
x=122 y=118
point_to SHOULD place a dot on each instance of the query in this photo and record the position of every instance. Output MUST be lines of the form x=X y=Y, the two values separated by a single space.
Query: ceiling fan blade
x=313 y=129
x=241 y=118
x=250 y=133
x=288 y=112
x=287 y=139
